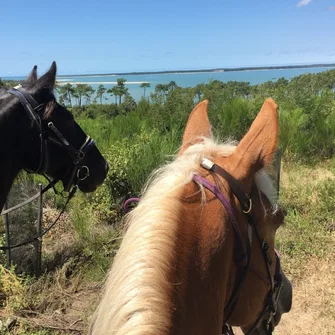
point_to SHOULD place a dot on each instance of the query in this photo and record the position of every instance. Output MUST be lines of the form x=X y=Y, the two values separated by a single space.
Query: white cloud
x=332 y=8
x=303 y=3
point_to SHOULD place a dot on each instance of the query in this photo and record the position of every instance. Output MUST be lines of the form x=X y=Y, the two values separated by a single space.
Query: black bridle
x=53 y=135
x=265 y=320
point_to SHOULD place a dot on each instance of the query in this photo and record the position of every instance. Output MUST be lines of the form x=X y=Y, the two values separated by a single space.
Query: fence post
x=8 y=252
x=38 y=244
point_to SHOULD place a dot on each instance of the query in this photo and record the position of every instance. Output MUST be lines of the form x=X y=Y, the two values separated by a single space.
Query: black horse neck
x=10 y=151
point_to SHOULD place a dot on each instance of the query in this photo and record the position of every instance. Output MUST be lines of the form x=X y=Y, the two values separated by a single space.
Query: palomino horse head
x=198 y=255
x=43 y=137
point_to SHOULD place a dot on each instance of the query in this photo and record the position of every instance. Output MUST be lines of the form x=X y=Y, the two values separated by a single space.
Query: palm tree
x=100 y=92
x=66 y=92
x=172 y=85
x=114 y=91
x=83 y=90
x=162 y=90
x=122 y=89
x=145 y=86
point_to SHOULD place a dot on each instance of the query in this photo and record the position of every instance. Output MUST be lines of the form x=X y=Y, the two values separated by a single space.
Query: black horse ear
x=32 y=78
x=48 y=80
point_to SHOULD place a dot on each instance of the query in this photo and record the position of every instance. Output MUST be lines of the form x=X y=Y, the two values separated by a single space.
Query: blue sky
x=133 y=35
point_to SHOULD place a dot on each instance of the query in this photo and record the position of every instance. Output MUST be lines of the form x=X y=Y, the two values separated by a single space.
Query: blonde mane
x=136 y=298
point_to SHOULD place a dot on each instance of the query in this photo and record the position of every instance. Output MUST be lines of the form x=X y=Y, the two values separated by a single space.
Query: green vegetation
x=145 y=86
x=8 y=83
x=136 y=138
x=100 y=92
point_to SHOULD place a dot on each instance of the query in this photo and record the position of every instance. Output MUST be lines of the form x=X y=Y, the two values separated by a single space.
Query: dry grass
x=59 y=302
x=313 y=310
x=308 y=244
x=67 y=297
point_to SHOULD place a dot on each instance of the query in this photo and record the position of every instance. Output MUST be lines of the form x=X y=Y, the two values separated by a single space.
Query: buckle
x=86 y=174
x=39 y=108
x=79 y=157
x=250 y=207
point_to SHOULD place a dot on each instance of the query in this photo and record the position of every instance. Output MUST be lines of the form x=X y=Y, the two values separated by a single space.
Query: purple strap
x=226 y=204
x=128 y=202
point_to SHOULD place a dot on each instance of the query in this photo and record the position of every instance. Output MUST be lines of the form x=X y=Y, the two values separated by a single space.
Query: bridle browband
x=265 y=320
x=34 y=109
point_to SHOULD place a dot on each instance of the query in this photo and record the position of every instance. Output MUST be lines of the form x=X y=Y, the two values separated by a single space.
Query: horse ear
x=32 y=78
x=197 y=126
x=48 y=80
x=257 y=147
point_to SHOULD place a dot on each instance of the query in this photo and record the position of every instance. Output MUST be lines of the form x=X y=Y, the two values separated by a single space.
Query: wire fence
x=23 y=216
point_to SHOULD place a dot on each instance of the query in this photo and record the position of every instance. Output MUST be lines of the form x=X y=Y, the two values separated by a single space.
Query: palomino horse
x=38 y=134
x=198 y=255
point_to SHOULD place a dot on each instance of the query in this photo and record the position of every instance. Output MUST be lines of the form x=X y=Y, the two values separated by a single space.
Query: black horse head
x=38 y=134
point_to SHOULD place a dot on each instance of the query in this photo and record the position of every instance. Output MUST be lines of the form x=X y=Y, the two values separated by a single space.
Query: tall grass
x=307 y=194
x=107 y=132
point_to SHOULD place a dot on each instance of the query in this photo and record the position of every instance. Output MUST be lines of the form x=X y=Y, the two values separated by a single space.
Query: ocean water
x=184 y=79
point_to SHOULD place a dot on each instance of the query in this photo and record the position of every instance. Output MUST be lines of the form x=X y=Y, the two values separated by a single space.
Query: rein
x=276 y=281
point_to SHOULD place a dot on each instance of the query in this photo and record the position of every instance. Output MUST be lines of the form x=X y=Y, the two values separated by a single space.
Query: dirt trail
x=313 y=309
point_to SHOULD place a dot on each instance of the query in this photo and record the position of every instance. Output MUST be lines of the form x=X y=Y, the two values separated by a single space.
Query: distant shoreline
x=100 y=82
x=237 y=69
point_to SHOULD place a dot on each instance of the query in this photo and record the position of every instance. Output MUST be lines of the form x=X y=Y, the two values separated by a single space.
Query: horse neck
x=171 y=275
x=204 y=263
x=9 y=152
x=8 y=173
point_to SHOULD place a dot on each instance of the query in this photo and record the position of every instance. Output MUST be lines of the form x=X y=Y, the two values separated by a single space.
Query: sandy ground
x=313 y=309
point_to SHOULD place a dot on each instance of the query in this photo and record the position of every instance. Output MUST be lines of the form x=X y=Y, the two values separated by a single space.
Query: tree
x=65 y=93
x=119 y=90
x=162 y=90
x=122 y=89
x=83 y=91
x=128 y=105
x=145 y=86
x=199 y=91
x=114 y=91
x=100 y=92
x=171 y=85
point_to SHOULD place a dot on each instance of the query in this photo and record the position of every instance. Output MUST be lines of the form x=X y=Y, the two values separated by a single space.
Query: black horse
x=39 y=135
